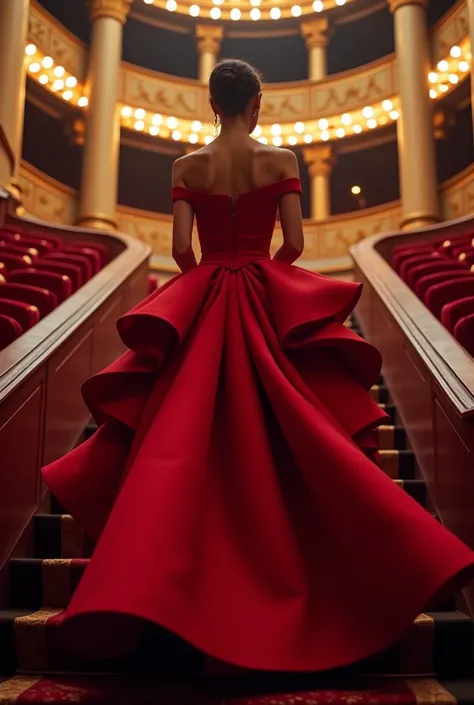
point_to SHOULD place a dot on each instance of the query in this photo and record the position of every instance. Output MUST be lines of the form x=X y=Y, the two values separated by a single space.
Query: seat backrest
x=59 y=284
x=439 y=295
x=464 y=333
x=451 y=313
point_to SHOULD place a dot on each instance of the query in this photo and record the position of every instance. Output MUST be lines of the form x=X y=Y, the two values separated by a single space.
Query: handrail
x=449 y=365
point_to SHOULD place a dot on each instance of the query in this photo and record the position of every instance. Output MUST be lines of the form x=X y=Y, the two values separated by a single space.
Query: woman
x=231 y=485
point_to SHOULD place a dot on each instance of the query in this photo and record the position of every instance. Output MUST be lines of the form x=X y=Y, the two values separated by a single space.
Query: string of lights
x=255 y=10
x=443 y=79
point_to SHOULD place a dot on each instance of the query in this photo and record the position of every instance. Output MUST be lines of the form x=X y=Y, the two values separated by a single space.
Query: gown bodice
x=234 y=231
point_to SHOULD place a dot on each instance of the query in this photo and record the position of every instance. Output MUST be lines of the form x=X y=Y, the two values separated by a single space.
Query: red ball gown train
x=231 y=485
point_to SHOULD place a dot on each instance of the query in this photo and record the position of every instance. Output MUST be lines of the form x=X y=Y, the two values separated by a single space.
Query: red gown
x=230 y=484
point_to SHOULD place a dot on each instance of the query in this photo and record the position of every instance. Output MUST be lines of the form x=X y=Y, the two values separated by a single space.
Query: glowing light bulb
x=275 y=130
x=215 y=13
x=357 y=129
x=433 y=94
x=433 y=77
x=453 y=78
x=194 y=10
x=277 y=141
x=83 y=102
x=296 y=11
x=394 y=114
x=154 y=130
x=443 y=66
x=43 y=79
x=140 y=114
x=372 y=123
x=126 y=112
x=308 y=138
x=323 y=124
x=35 y=67
x=193 y=138
x=57 y=85
x=67 y=95
x=196 y=126
x=172 y=123
x=356 y=190
x=463 y=66
x=292 y=140
x=346 y=119
x=171 y=5
x=255 y=13
x=263 y=140
x=235 y=14
x=299 y=127
x=157 y=120
x=139 y=125
x=340 y=132
x=275 y=13
x=318 y=6
x=176 y=135
x=47 y=62
x=71 y=82
x=59 y=71
x=387 y=105
x=257 y=132
x=340 y=2
x=30 y=50
x=455 y=52
x=325 y=136
x=368 y=112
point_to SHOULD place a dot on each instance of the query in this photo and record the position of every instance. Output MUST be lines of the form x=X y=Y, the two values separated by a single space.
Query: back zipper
x=234 y=229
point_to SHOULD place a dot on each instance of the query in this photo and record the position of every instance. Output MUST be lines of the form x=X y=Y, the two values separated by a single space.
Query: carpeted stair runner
x=433 y=663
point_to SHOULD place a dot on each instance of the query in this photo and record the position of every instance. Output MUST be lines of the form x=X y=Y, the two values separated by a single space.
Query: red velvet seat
x=10 y=330
x=79 y=261
x=464 y=333
x=411 y=262
x=453 y=241
x=43 y=246
x=402 y=255
x=98 y=247
x=59 y=284
x=26 y=314
x=455 y=310
x=439 y=295
x=457 y=251
x=56 y=240
x=91 y=254
x=11 y=248
x=424 y=270
x=15 y=261
x=44 y=299
x=70 y=270
x=424 y=283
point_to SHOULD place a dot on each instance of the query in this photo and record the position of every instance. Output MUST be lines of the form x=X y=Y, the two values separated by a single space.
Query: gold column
x=416 y=144
x=316 y=35
x=320 y=160
x=13 y=35
x=98 y=199
x=208 y=43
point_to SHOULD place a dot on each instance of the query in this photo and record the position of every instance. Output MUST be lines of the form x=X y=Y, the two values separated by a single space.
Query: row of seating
x=441 y=273
x=38 y=271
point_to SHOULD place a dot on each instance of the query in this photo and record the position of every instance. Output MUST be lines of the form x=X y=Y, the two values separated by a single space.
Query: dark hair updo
x=232 y=85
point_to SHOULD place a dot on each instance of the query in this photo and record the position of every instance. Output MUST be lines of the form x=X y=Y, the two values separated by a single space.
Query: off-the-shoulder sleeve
x=292 y=185
x=180 y=193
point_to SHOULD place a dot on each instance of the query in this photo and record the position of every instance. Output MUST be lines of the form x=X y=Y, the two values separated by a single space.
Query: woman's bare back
x=233 y=167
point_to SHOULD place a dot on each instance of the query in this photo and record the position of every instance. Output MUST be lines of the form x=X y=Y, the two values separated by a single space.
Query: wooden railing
x=42 y=413
x=430 y=376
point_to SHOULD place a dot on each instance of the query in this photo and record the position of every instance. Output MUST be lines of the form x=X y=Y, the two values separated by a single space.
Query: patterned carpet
x=433 y=663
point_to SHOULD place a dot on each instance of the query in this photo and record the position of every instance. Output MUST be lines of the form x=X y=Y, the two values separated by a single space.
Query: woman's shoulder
x=277 y=160
x=190 y=166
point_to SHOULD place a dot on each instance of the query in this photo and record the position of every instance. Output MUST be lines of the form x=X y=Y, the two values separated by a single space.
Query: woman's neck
x=236 y=128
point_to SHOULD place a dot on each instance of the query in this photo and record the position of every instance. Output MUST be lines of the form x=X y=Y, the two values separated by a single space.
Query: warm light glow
x=83 y=102
x=30 y=50
x=318 y=6
x=255 y=13
x=59 y=71
x=48 y=62
x=356 y=190
x=275 y=13
x=298 y=127
x=126 y=111
x=194 y=10
x=235 y=14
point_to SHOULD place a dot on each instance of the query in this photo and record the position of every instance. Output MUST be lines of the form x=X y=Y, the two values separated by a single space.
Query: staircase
x=433 y=663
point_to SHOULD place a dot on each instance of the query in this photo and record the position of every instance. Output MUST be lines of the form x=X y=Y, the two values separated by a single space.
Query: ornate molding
x=316 y=33
x=320 y=159
x=45 y=32
x=209 y=38
x=395 y=5
x=114 y=9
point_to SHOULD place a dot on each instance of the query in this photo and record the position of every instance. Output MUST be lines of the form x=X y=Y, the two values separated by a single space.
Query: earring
x=216 y=123
x=254 y=113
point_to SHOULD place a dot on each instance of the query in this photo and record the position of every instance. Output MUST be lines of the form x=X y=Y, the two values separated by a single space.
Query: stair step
x=392 y=438
x=103 y=690
x=58 y=536
x=392 y=412
x=380 y=393
x=398 y=464
x=415 y=488
x=438 y=643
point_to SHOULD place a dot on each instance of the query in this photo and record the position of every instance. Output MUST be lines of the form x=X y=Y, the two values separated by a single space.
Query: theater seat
x=11 y=248
x=464 y=333
x=439 y=295
x=82 y=263
x=451 y=313
x=467 y=258
x=59 y=284
x=43 y=246
x=45 y=300
x=418 y=260
x=56 y=240
x=27 y=315
x=400 y=255
x=10 y=330
x=70 y=270
x=424 y=270
x=93 y=256
x=12 y=262
x=424 y=283
x=98 y=247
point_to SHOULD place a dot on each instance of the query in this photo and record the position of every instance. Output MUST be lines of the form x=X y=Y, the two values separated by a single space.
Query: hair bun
x=232 y=85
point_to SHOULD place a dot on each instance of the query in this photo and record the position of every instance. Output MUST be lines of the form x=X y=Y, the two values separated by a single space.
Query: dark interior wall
x=456 y=152
x=47 y=146
x=360 y=42
x=72 y=14
x=268 y=56
x=375 y=170
x=160 y=50
x=145 y=179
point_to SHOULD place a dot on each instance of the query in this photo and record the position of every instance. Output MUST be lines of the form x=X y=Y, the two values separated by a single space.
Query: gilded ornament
x=115 y=9
x=209 y=38
x=395 y=5
x=315 y=33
